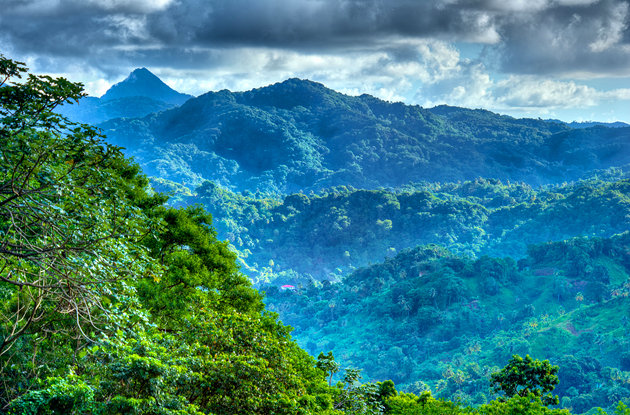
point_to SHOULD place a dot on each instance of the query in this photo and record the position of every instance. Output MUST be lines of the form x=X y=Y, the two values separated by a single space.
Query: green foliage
x=527 y=377
x=622 y=409
x=121 y=304
x=525 y=405
x=425 y=404
x=326 y=362
x=429 y=319
x=324 y=235
x=71 y=215
x=219 y=363
x=199 y=269
x=359 y=399
x=62 y=395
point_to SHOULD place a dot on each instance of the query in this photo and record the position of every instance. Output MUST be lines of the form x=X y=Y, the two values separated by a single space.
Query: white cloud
x=574 y=2
x=425 y=72
x=391 y=72
x=471 y=85
x=610 y=32
x=97 y=87
x=128 y=29
x=518 y=5
x=622 y=94
x=531 y=92
x=134 y=6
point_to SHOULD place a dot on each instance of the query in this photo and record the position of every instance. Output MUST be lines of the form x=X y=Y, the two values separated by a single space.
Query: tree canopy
x=113 y=302
x=527 y=377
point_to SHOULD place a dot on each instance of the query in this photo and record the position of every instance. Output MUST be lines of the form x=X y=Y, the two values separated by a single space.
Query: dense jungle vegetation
x=323 y=236
x=115 y=301
x=434 y=321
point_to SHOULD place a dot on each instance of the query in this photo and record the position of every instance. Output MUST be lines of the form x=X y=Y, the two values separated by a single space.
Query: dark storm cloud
x=74 y=25
x=305 y=23
x=588 y=38
x=535 y=36
x=66 y=30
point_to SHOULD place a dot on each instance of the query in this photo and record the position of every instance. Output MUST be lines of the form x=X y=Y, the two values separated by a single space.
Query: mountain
x=143 y=83
x=588 y=124
x=299 y=135
x=140 y=94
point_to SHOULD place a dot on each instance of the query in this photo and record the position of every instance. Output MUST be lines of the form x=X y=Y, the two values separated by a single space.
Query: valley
x=421 y=245
x=424 y=247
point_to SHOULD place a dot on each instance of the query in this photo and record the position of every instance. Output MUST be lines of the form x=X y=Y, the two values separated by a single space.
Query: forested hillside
x=324 y=235
x=300 y=136
x=431 y=320
x=116 y=300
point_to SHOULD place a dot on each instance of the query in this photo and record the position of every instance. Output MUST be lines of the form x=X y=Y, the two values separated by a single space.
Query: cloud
x=527 y=92
x=531 y=36
x=583 y=39
x=470 y=84
x=424 y=72
x=395 y=49
x=291 y=24
x=390 y=72
x=128 y=6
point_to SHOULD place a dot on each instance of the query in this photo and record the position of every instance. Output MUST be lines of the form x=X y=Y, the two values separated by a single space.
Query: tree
x=71 y=211
x=519 y=405
x=111 y=302
x=527 y=377
x=358 y=399
x=326 y=362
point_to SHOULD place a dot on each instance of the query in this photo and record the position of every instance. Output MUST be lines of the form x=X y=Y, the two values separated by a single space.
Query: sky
x=564 y=59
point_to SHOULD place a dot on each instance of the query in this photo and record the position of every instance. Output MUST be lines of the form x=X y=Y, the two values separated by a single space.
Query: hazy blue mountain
x=140 y=94
x=93 y=110
x=588 y=124
x=299 y=135
x=142 y=83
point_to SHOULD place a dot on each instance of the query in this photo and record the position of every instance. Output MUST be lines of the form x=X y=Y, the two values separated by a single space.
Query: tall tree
x=527 y=377
x=70 y=215
x=111 y=302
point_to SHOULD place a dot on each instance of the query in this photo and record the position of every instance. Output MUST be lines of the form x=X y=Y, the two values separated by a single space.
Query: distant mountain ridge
x=589 y=124
x=140 y=94
x=299 y=135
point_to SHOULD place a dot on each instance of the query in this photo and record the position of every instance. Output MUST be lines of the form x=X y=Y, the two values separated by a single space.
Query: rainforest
x=295 y=250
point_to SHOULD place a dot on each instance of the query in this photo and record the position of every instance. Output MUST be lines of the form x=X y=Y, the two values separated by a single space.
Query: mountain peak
x=141 y=82
x=142 y=74
x=294 y=92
